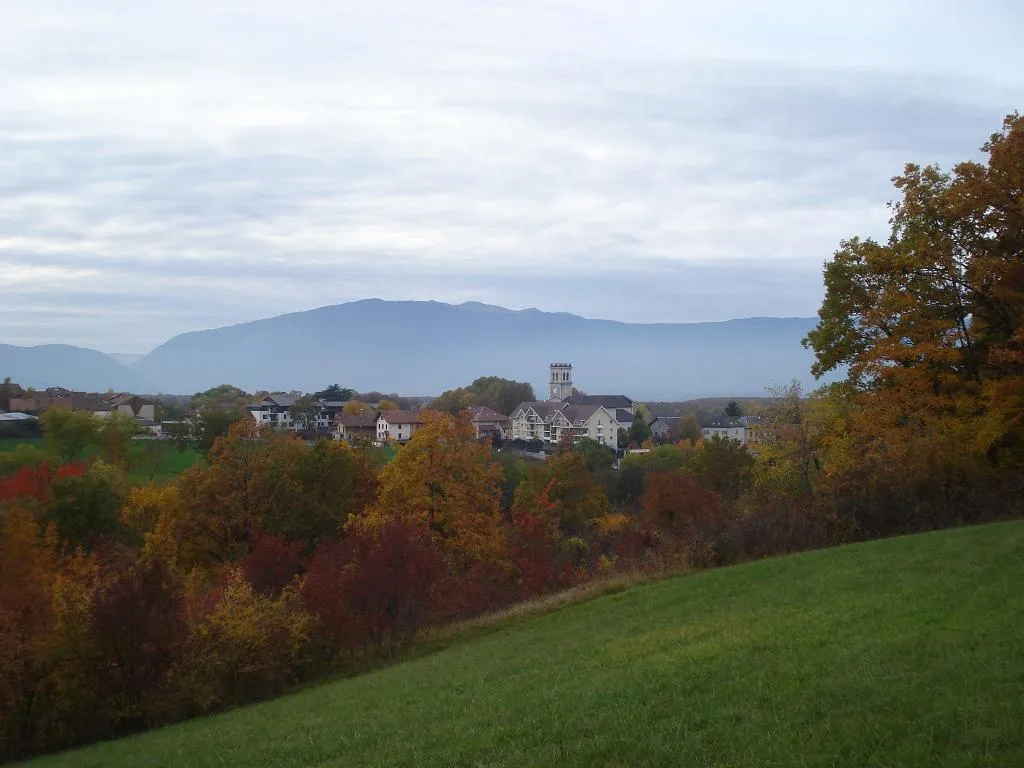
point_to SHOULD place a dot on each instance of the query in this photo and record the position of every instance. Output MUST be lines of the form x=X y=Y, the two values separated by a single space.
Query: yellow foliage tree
x=444 y=478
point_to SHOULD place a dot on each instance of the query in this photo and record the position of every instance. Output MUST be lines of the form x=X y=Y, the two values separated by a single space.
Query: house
x=745 y=430
x=489 y=423
x=662 y=427
x=276 y=411
x=355 y=427
x=57 y=397
x=397 y=426
x=551 y=421
x=135 y=406
x=128 y=404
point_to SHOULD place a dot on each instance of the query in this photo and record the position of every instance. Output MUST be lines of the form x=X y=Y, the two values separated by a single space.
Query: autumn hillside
x=904 y=652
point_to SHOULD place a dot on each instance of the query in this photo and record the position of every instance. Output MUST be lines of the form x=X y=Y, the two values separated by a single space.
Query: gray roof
x=611 y=402
x=483 y=413
x=284 y=401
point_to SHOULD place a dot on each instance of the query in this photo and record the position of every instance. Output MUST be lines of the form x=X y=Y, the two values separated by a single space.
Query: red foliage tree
x=376 y=587
x=35 y=483
x=272 y=562
x=695 y=517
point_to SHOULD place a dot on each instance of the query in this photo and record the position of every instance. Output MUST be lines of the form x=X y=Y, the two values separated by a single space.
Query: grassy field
x=905 y=652
x=172 y=461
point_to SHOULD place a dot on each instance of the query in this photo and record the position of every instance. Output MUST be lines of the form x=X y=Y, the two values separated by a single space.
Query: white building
x=397 y=426
x=550 y=422
x=745 y=430
x=276 y=411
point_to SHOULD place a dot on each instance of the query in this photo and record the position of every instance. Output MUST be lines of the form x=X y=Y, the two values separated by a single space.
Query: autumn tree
x=695 y=516
x=303 y=412
x=501 y=395
x=68 y=433
x=222 y=397
x=444 y=478
x=114 y=435
x=576 y=493
x=28 y=569
x=639 y=431
x=87 y=508
x=928 y=327
x=453 y=401
x=356 y=408
x=243 y=646
x=214 y=422
x=687 y=429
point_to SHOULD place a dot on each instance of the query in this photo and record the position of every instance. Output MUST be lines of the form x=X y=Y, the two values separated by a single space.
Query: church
x=568 y=412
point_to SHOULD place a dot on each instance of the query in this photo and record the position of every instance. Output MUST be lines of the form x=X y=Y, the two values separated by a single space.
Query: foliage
x=501 y=395
x=68 y=433
x=687 y=429
x=356 y=408
x=445 y=480
x=335 y=392
x=242 y=646
x=304 y=410
x=812 y=659
x=86 y=508
x=114 y=437
x=222 y=397
x=639 y=432
x=276 y=560
x=213 y=423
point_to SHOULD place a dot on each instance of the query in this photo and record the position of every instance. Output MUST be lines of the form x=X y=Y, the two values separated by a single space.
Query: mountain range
x=426 y=347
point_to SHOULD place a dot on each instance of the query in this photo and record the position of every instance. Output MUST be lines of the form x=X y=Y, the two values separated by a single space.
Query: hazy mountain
x=60 y=365
x=427 y=347
x=126 y=358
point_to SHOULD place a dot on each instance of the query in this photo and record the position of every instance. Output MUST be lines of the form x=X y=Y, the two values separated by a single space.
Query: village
x=567 y=414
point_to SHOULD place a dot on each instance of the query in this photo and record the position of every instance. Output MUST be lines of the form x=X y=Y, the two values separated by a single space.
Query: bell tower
x=560 y=386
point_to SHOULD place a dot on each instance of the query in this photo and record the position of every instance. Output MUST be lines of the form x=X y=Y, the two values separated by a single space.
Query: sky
x=167 y=167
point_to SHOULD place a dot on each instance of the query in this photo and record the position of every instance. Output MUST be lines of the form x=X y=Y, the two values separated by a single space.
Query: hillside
x=899 y=652
x=51 y=365
x=427 y=347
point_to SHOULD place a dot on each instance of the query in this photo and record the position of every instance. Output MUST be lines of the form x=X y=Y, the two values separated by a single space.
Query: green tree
x=8 y=390
x=453 y=401
x=114 y=436
x=639 y=432
x=733 y=410
x=88 y=507
x=68 y=433
x=335 y=392
x=224 y=396
x=687 y=429
x=304 y=411
x=212 y=423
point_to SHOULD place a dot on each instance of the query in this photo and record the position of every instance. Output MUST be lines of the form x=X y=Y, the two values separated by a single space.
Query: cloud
x=167 y=168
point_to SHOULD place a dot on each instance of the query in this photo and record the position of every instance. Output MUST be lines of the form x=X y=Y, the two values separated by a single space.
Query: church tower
x=561 y=382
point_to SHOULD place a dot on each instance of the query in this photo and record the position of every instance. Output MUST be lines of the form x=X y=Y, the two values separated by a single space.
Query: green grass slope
x=905 y=652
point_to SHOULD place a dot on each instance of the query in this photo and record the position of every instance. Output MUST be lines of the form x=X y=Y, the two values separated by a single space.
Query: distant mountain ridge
x=426 y=347
x=53 y=365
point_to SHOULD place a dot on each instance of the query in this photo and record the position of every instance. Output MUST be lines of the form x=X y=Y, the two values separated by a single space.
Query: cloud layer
x=169 y=167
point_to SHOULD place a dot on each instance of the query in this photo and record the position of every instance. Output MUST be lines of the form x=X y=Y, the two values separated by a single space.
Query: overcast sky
x=170 y=166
